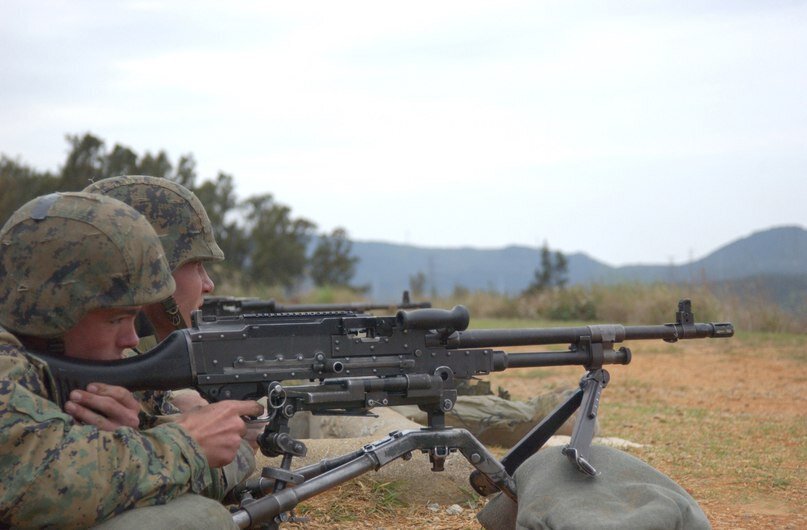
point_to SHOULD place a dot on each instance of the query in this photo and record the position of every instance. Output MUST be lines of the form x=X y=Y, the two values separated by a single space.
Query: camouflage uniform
x=186 y=235
x=57 y=472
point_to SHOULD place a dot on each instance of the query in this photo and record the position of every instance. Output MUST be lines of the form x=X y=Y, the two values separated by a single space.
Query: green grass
x=532 y=373
x=386 y=495
x=508 y=323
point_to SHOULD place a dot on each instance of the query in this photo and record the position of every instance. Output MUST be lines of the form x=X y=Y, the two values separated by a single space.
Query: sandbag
x=628 y=493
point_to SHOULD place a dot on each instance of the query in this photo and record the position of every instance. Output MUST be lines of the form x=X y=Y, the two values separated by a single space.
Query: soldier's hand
x=219 y=427
x=187 y=400
x=253 y=431
x=108 y=407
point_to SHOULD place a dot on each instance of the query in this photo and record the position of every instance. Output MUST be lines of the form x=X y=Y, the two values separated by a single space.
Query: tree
x=331 y=262
x=121 y=161
x=417 y=284
x=85 y=162
x=551 y=273
x=186 y=171
x=220 y=201
x=20 y=184
x=155 y=165
x=277 y=243
x=259 y=237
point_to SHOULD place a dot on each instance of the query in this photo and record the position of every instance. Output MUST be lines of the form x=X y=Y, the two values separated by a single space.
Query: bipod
x=274 y=441
x=578 y=449
x=437 y=442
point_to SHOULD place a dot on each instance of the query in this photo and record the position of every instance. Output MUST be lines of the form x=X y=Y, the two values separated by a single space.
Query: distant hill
x=774 y=257
x=788 y=291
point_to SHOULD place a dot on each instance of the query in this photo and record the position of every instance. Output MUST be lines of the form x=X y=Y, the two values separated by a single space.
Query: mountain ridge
x=387 y=267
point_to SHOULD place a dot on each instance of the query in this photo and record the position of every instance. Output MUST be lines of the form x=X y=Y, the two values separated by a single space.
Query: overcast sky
x=644 y=132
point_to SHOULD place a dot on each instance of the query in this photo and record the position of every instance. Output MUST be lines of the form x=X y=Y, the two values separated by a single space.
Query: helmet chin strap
x=55 y=346
x=174 y=315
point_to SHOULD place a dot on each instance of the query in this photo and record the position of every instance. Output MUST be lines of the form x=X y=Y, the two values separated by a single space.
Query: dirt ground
x=726 y=419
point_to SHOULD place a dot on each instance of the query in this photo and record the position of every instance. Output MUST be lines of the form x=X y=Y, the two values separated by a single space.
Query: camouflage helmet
x=65 y=254
x=175 y=212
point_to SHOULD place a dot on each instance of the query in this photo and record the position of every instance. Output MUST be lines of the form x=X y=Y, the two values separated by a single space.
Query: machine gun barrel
x=613 y=333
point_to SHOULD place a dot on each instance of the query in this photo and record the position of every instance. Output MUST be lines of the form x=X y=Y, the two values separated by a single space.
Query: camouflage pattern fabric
x=157 y=409
x=241 y=468
x=176 y=214
x=222 y=479
x=102 y=253
x=57 y=473
x=628 y=493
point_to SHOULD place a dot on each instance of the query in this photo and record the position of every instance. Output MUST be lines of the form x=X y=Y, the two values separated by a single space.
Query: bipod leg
x=276 y=441
x=398 y=444
x=580 y=444
x=531 y=442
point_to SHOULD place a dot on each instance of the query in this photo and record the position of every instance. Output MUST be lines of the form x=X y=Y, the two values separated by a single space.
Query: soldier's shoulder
x=8 y=340
x=12 y=352
x=22 y=367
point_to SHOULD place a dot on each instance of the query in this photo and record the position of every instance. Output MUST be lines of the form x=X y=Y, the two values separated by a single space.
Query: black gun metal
x=354 y=362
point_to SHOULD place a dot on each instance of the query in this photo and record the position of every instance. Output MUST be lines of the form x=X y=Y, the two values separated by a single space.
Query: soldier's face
x=193 y=283
x=102 y=334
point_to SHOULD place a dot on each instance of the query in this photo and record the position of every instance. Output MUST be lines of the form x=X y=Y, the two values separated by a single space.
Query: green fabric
x=188 y=512
x=241 y=468
x=65 y=254
x=628 y=493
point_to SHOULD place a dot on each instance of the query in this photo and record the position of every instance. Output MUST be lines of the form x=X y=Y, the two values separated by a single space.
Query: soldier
x=184 y=229
x=74 y=270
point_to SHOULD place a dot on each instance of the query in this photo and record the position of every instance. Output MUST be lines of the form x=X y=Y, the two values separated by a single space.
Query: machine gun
x=229 y=305
x=355 y=362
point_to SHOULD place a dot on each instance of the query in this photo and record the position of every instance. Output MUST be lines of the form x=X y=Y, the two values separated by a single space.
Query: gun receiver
x=355 y=362
x=229 y=306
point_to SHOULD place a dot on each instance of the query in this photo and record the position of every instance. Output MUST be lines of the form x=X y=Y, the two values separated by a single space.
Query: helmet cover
x=65 y=254
x=174 y=211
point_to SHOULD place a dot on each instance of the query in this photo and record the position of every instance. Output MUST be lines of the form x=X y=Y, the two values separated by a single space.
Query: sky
x=636 y=132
